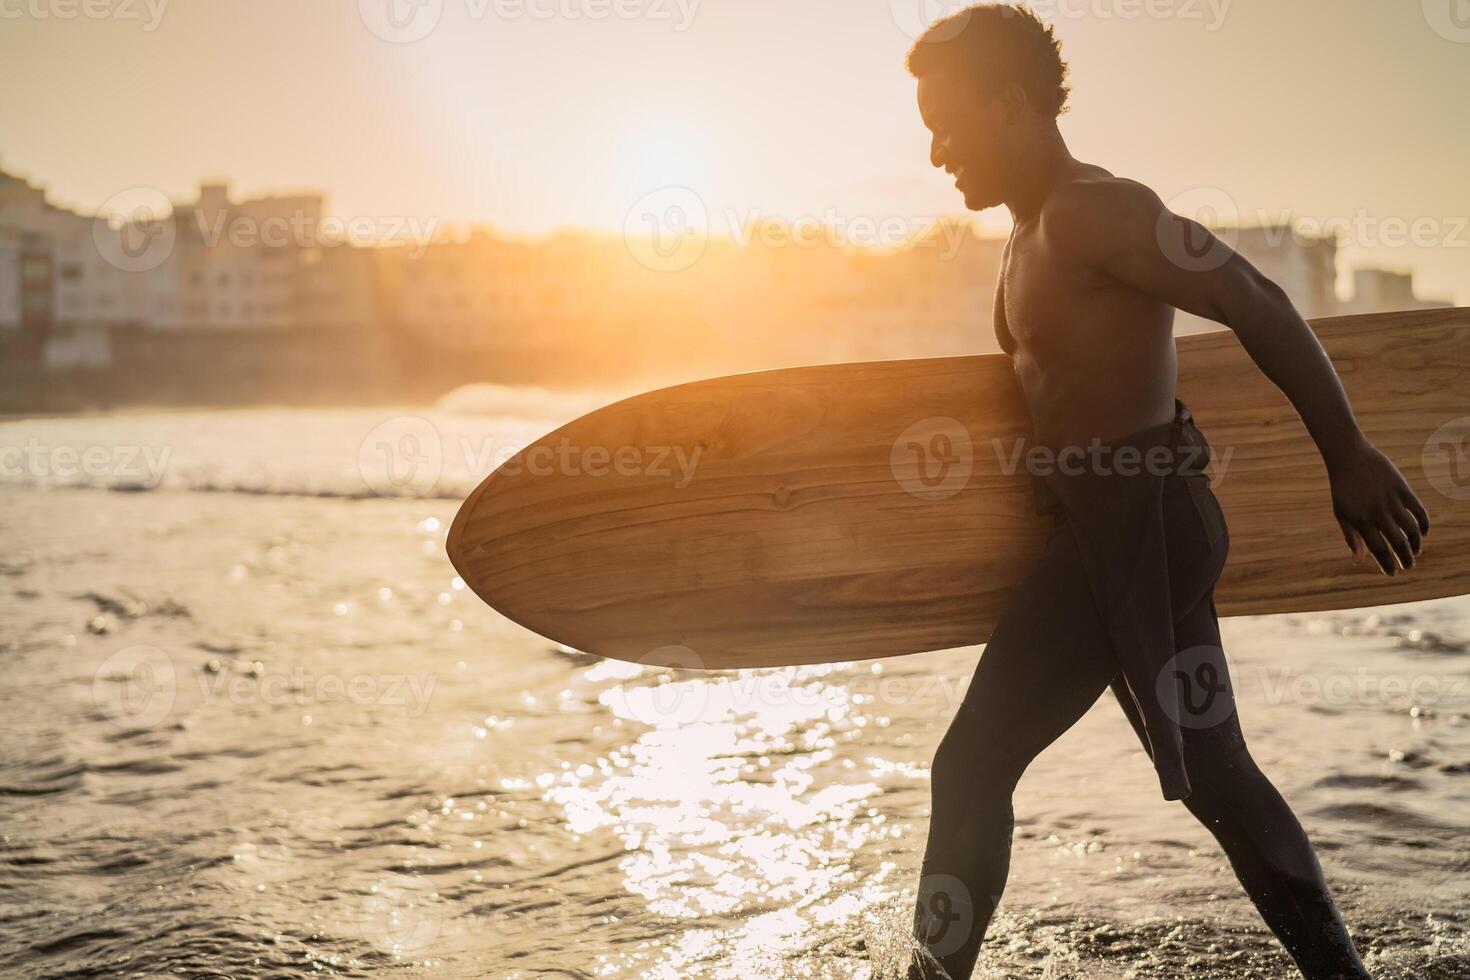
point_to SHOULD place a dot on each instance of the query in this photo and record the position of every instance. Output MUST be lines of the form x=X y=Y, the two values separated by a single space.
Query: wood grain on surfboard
x=849 y=511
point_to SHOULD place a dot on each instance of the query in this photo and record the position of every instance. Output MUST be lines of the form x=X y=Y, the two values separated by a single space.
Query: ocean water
x=254 y=727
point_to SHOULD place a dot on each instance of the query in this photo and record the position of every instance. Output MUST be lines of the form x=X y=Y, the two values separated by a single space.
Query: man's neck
x=1048 y=166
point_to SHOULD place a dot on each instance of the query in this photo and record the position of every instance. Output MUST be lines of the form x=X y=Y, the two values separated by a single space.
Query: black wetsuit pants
x=1047 y=662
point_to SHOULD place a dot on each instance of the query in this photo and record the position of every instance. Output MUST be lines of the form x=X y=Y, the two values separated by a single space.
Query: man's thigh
x=1046 y=663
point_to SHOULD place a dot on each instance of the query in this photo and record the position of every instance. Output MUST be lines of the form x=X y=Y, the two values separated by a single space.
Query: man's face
x=969 y=133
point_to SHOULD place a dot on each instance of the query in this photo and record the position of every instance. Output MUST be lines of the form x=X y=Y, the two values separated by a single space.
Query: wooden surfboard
x=849 y=511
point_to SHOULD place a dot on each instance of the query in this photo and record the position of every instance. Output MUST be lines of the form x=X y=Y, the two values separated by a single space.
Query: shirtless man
x=1090 y=278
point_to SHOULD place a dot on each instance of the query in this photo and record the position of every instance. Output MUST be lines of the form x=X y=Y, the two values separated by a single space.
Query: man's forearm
x=1283 y=346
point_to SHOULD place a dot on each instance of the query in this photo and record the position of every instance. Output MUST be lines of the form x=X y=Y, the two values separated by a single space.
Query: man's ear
x=1013 y=100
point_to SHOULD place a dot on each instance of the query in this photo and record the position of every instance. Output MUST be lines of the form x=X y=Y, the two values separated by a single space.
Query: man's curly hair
x=996 y=44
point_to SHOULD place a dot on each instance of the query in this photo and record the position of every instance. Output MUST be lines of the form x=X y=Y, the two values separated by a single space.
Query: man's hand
x=1376 y=509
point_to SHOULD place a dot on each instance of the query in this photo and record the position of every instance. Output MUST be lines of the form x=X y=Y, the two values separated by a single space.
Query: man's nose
x=938 y=150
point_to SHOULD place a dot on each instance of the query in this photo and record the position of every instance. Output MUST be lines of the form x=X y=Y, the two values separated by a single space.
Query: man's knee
x=976 y=761
x=1220 y=775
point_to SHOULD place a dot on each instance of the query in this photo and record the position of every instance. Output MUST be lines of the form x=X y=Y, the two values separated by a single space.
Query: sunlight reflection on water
x=717 y=809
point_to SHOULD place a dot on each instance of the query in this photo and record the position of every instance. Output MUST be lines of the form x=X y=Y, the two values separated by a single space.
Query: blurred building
x=1375 y=290
x=258 y=263
x=1305 y=266
x=484 y=291
x=218 y=288
x=68 y=280
x=57 y=292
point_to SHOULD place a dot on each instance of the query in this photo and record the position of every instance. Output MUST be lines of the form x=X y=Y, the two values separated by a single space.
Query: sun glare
x=660 y=152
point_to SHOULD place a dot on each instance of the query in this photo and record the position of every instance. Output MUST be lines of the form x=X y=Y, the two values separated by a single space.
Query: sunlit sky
x=538 y=114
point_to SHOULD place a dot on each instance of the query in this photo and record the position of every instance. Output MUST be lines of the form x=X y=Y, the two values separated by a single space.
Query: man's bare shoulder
x=1087 y=217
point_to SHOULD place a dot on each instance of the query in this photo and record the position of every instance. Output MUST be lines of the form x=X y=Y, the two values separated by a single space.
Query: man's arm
x=1125 y=230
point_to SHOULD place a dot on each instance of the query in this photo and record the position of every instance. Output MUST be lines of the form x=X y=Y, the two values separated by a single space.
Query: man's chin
x=978 y=201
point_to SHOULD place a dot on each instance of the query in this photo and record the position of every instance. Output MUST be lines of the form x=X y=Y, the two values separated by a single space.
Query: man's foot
x=923 y=966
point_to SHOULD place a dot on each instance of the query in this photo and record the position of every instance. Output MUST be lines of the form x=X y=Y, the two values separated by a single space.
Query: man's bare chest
x=1040 y=291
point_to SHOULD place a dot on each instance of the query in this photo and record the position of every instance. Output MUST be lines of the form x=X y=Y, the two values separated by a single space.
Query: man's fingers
x=1409 y=525
x=1379 y=549
x=1411 y=502
x=1398 y=541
